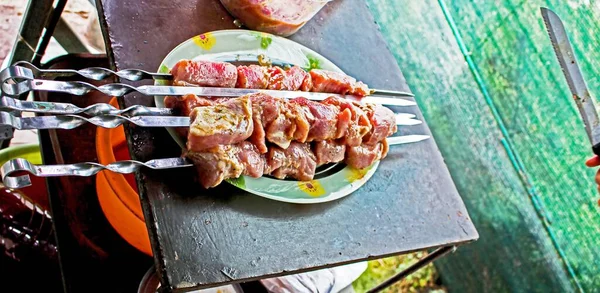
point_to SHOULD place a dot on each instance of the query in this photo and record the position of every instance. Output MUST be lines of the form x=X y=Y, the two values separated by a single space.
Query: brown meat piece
x=364 y=156
x=265 y=110
x=216 y=164
x=229 y=122
x=297 y=161
x=383 y=124
x=323 y=119
x=329 y=151
x=357 y=125
x=183 y=106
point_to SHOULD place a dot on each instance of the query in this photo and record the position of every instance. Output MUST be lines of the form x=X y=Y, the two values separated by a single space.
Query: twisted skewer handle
x=80 y=169
x=20 y=165
x=94 y=73
x=7 y=103
x=73 y=121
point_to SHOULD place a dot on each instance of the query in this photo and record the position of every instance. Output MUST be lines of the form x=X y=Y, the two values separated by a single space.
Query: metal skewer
x=73 y=121
x=93 y=73
x=99 y=73
x=20 y=165
x=112 y=121
x=16 y=105
x=80 y=88
x=80 y=169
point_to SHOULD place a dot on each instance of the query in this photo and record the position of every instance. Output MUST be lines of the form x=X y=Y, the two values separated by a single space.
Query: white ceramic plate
x=229 y=45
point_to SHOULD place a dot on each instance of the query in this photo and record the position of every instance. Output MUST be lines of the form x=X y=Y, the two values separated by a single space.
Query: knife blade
x=572 y=72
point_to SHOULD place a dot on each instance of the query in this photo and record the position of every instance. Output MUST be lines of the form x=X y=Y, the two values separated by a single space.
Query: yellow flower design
x=312 y=188
x=205 y=41
x=357 y=174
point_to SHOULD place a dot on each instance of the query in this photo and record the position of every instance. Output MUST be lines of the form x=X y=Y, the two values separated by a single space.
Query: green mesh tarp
x=486 y=77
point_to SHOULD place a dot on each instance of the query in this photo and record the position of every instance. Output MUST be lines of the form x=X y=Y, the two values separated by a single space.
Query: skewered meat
x=222 y=74
x=357 y=125
x=324 y=81
x=322 y=118
x=252 y=77
x=224 y=123
x=280 y=121
x=298 y=161
x=204 y=73
x=231 y=161
x=383 y=124
x=329 y=151
x=292 y=79
x=364 y=156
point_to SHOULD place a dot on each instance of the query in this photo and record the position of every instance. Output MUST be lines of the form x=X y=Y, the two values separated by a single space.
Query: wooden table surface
x=202 y=238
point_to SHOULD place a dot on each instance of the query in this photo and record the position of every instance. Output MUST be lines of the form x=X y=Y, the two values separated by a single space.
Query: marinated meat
x=216 y=164
x=183 y=106
x=254 y=163
x=297 y=161
x=383 y=124
x=223 y=74
x=204 y=73
x=252 y=77
x=231 y=161
x=265 y=110
x=280 y=17
x=322 y=118
x=300 y=118
x=292 y=79
x=324 y=81
x=364 y=156
x=329 y=151
x=282 y=121
x=356 y=124
x=229 y=122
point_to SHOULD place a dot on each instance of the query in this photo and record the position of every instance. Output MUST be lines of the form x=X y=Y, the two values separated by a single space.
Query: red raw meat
x=325 y=81
x=204 y=73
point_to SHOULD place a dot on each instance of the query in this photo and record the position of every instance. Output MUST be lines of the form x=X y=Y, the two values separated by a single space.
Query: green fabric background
x=510 y=134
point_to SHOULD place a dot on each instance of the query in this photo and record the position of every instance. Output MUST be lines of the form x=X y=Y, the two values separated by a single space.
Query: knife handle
x=596 y=149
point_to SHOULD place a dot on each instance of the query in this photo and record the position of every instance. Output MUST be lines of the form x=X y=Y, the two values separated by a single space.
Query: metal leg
x=33 y=24
x=55 y=17
x=413 y=268
x=65 y=36
x=39 y=20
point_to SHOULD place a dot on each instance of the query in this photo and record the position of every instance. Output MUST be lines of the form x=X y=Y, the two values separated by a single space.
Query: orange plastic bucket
x=117 y=193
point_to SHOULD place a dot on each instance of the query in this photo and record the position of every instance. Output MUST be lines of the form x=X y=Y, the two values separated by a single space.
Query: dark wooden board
x=206 y=237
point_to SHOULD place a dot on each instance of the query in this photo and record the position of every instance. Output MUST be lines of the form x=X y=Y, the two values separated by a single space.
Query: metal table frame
x=42 y=20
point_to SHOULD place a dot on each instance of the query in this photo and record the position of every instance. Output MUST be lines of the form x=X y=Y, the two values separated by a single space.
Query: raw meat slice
x=252 y=77
x=204 y=73
x=325 y=81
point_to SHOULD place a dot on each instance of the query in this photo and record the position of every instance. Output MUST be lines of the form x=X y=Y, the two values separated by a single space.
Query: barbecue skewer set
x=250 y=120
